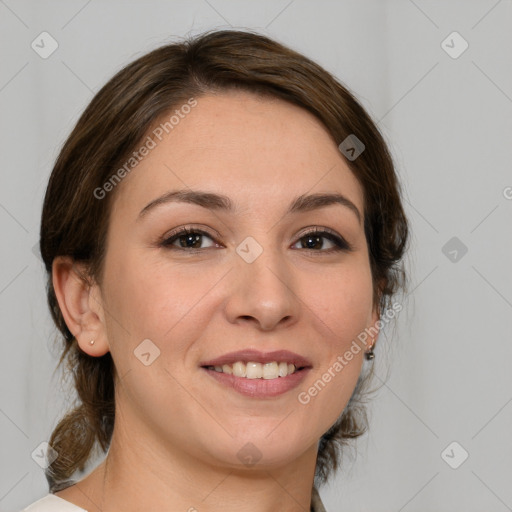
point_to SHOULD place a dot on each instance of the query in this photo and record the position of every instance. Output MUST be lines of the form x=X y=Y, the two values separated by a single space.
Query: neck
x=138 y=479
x=143 y=477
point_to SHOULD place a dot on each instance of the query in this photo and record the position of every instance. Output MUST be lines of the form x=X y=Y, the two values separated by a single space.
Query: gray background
x=449 y=123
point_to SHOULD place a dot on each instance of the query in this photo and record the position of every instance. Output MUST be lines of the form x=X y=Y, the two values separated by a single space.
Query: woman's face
x=249 y=277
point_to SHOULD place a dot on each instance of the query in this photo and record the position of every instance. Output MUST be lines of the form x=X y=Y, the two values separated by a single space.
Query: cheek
x=149 y=299
x=341 y=311
x=343 y=302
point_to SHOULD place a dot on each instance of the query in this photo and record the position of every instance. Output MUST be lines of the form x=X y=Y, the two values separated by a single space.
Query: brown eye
x=315 y=240
x=186 y=239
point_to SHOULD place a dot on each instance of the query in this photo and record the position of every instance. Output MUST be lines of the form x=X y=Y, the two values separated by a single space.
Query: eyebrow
x=211 y=201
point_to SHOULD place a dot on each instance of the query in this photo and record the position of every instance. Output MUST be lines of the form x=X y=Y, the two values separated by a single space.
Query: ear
x=81 y=305
x=376 y=312
x=375 y=319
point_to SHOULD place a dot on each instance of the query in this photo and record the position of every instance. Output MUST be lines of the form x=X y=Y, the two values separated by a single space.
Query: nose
x=262 y=292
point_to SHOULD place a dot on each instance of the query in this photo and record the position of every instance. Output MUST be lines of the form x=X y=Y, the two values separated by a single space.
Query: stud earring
x=91 y=342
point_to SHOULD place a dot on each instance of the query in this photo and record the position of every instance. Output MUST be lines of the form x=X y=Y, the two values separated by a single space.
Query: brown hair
x=74 y=222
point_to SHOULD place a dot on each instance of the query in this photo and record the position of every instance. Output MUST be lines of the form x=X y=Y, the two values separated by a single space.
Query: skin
x=177 y=431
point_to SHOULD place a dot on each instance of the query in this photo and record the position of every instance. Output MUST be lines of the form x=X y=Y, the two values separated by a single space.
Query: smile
x=258 y=374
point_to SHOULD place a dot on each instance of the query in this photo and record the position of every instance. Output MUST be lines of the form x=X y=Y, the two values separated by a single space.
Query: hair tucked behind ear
x=75 y=221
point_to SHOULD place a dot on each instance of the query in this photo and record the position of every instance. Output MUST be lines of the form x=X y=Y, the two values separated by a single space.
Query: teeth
x=227 y=369
x=252 y=370
x=239 y=369
x=270 y=371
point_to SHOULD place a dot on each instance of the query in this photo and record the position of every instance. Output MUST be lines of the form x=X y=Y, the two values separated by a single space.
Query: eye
x=185 y=238
x=314 y=240
x=191 y=239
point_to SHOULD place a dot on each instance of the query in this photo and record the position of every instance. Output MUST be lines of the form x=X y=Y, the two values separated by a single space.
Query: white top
x=52 y=503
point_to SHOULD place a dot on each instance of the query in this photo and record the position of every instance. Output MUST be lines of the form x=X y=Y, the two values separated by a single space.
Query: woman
x=222 y=232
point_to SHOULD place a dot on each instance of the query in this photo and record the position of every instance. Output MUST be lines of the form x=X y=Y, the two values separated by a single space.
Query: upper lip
x=259 y=357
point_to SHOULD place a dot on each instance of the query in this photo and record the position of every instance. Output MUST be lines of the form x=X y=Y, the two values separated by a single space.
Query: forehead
x=256 y=150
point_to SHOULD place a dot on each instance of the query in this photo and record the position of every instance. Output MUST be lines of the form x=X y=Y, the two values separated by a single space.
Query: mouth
x=257 y=374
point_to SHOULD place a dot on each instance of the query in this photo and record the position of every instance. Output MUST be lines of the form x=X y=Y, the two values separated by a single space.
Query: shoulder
x=52 y=503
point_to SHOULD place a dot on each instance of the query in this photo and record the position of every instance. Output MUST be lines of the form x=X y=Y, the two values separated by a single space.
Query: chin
x=267 y=448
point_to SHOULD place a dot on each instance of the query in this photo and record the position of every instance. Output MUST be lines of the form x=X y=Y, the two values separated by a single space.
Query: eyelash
x=340 y=243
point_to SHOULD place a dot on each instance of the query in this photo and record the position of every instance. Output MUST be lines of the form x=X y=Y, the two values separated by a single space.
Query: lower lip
x=260 y=388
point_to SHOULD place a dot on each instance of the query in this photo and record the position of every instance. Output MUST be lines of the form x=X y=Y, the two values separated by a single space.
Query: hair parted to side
x=74 y=222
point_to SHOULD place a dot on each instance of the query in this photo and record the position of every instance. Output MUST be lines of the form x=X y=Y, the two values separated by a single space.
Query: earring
x=370 y=355
x=91 y=342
